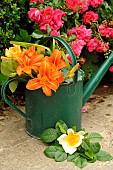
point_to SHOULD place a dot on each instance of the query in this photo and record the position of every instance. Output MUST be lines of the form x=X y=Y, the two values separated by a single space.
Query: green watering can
x=42 y=112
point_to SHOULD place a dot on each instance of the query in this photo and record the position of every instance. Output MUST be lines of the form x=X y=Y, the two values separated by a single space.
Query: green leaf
x=18 y=38
x=74 y=128
x=86 y=144
x=23 y=33
x=8 y=67
x=95 y=137
x=95 y=147
x=48 y=30
x=60 y=156
x=60 y=125
x=13 y=86
x=49 y=135
x=50 y=151
x=89 y=153
x=81 y=162
x=71 y=158
x=3 y=78
x=93 y=160
x=37 y=35
x=104 y=156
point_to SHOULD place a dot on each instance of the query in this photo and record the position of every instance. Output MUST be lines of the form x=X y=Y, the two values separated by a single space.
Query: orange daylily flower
x=47 y=79
x=12 y=52
x=56 y=60
x=28 y=61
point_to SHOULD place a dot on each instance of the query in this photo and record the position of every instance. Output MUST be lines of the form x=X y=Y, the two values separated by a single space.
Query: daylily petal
x=45 y=68
x=61 y=77
x=19 y=70
x=47 y=91
x=33 y=84
x=53 y=85
x=55 y=57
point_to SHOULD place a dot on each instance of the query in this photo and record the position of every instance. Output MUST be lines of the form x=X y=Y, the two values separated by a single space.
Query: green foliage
x=13 y=18
x=88 y=151
x=49 y=135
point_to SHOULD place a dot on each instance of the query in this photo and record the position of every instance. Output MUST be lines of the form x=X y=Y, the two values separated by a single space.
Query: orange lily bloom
x=56 y=60
x=28 y=61
x=47 y=79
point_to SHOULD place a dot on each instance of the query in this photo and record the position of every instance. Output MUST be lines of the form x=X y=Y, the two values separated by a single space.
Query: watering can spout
x=96 y=78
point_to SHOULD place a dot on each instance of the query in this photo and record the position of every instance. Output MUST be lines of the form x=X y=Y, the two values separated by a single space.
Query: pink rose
x=34 y=14
x=96 y=3
x=83 y=34
x=92 y=44
x=90 y=16
x=111 y=69
x=104 y=30
x=102 y=47
x=58 y=14
x=77 y=46
x=47 y=15
x=54 y=33
x=32 y=1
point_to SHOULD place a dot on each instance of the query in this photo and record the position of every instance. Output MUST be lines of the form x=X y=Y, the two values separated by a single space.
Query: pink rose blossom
x=54 y=33
x=111 y=69
x=105 y=31
x=76 y=5
x=34 y=14
x=96 y=3
x=83 y=34
x=92 y=44
x=102 y=47
x=77 y=46
x=47 y=15
x=90 y=16
x=37 y=1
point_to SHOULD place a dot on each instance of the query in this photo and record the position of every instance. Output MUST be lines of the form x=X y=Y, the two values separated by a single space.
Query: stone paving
x=19 y=151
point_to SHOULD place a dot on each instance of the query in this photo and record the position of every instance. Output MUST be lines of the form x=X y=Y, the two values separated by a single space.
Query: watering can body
x=43 y=112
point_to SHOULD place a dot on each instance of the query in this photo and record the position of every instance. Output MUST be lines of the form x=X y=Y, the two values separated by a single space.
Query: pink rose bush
x=79 y=22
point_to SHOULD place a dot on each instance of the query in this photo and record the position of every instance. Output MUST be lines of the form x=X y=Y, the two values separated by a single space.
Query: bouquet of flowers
x=41 y=66
x=85 y=24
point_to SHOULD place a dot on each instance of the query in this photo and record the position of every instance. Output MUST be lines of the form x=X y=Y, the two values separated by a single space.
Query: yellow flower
x=71 y=73
x=71 y=141
x=12 y=52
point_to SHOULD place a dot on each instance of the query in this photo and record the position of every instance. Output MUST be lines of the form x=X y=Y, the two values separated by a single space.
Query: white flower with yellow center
x=71 y=141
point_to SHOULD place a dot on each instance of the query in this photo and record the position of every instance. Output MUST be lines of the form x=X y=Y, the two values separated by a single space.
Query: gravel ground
x=19 y=151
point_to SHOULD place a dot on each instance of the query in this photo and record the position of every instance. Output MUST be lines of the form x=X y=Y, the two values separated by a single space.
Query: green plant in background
x=77 y=147
x=14 y=23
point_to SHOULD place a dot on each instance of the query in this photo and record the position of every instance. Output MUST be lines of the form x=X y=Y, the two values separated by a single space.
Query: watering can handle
x=3 y=94
x=66 y=45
